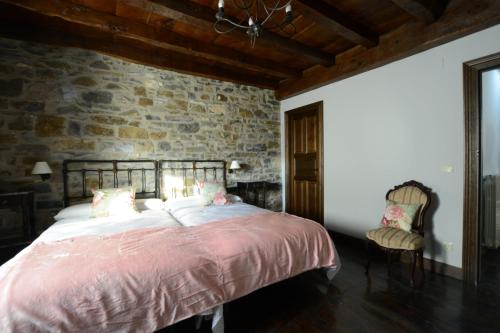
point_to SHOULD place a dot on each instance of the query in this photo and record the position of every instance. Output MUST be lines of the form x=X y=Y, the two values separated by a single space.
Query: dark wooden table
x=256 y=192
x=17 y=222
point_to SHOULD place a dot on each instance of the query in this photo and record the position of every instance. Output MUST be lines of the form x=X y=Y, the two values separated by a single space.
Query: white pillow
x=149 y=204
x=173 y=205
x=80 y=211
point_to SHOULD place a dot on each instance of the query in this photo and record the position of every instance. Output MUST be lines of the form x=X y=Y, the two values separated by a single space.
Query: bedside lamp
x=42 y=169
x=235 y=165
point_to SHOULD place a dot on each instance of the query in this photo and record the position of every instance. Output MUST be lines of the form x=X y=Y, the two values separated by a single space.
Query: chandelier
x=257 y=16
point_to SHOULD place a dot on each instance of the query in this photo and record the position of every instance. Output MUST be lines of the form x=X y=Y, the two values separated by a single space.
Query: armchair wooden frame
x=400 y=194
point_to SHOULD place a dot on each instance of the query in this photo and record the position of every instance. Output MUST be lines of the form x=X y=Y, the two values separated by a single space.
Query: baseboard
x=439 y=268
x=429 y=264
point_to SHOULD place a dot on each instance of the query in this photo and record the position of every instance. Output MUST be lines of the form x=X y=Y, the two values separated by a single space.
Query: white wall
x=491 y=122
x=399 y=122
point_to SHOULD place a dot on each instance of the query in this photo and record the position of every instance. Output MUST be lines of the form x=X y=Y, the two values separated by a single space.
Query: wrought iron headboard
x=178 y=177
x=156 y=178
x=97 y=174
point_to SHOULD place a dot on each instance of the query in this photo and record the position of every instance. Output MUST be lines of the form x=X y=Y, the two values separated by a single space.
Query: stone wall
x=65 y=103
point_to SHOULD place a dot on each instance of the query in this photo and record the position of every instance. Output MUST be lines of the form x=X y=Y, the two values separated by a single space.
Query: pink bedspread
x=143 y=280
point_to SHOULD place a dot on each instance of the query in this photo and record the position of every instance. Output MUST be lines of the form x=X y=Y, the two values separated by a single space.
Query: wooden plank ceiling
x=334 y=39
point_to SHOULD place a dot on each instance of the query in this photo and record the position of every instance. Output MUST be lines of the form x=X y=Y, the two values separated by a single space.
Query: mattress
x=149 y=271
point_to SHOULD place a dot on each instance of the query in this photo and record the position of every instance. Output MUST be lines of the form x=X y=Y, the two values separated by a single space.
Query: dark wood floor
x=353 y=303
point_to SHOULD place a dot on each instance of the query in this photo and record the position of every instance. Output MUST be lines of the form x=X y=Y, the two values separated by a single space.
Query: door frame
x=318 y=106
x=472 y=116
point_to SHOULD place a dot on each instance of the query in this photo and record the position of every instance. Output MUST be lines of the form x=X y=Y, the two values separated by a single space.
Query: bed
x=150 y=270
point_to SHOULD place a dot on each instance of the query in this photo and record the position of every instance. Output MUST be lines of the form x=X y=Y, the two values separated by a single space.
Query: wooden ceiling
x=334 y=39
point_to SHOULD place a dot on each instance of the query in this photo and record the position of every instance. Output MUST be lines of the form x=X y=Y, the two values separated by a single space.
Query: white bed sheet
x=68 y=228
x=195 y=214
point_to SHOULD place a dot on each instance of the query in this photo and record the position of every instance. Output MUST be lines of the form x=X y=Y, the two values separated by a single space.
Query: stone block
x=109 y=120
x=157 y=135
x=49 y=126
x=70 y=109
x=221 y=98
x=140 y=91
x=21 y=124
x=99 y=65
x=177 y=104
x=113 y=86
x=245 y=113
x=98 y=130
x=11 y=88
x=74 y=128
x=98 y=97
x=84 y=81
x=164 y=146
x=128 y=132
x=143 y=147
x=197 y=108
x=32 y=107
x=188 y=127
x=32 y=148
x=70 y=144
x=7 y=139
x=165 y=93
x=143 y=101
x=259 y=147
x=217 y=108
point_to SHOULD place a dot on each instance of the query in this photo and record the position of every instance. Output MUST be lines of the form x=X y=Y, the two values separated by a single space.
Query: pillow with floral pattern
x=212 y=192
x=113 y=202
x=399 y=215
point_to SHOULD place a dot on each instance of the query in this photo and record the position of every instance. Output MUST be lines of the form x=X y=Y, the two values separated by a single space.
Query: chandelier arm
x=220 y=31
x=277 y=6
x=267 y=18
x=270 y=11
x=236 y=25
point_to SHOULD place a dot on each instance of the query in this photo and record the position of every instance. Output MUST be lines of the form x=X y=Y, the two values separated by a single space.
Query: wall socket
x=448 y=246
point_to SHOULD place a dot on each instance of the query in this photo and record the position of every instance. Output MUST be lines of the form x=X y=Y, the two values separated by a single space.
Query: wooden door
x=304 y=161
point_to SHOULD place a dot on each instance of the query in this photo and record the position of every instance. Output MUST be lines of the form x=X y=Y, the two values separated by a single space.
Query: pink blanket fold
x=147 y=279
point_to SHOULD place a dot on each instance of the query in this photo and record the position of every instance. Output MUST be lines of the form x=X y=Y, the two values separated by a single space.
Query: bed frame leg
x=198 y=322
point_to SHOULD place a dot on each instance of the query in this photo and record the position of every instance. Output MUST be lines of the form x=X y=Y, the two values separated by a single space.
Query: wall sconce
x=235 y=165
x=42 y=169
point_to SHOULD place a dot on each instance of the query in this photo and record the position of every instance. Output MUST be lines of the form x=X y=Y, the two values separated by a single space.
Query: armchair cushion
x=398 y=215
x=395 y=238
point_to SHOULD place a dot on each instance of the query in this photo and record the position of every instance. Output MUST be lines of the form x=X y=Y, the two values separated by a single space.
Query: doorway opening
x=482 y=166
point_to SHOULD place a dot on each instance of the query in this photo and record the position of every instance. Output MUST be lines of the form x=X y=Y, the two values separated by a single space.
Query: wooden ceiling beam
x=55 y=31
x=161 y=38
x=204 y=17
x=341 y=24
x=464 y=18
x=424 y=10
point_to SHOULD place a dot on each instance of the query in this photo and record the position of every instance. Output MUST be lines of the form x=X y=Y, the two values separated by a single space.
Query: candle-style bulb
x=288 y=8
x=221 y=3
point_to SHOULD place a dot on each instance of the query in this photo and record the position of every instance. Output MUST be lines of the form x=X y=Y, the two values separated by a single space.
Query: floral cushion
x=113 y=202
x=399 y=216
x=212 y=192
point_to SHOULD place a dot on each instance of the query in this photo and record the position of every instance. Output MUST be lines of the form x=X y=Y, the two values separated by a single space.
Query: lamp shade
x=235 y=165
x=41 y=168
